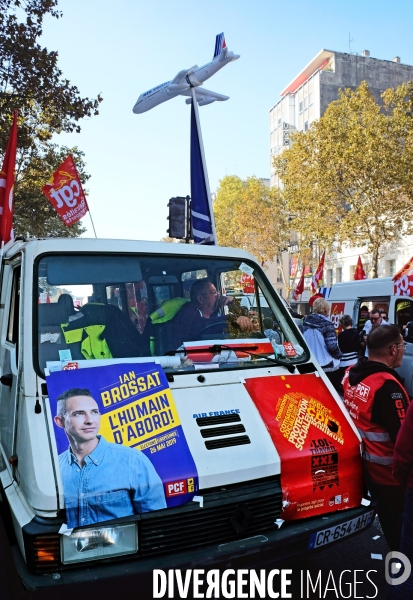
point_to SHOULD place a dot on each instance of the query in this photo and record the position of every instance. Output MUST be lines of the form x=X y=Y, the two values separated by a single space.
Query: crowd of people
x=361 y=363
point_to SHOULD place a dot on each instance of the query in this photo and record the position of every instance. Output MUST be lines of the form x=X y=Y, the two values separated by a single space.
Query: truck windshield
x=193 y=312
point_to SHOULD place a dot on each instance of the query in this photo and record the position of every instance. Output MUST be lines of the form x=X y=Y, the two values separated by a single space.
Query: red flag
x=317 y=278
x=359 y=271
x=65 y=192
x=403 y=280
x=300 y=287
x=293 y=266
x=247 y=284
x=7 y=185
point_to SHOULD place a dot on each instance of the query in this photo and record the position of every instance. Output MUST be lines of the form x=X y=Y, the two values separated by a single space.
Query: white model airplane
x=182 y=83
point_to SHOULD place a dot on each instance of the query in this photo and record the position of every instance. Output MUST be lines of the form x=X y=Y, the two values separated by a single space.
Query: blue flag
x=200 y=213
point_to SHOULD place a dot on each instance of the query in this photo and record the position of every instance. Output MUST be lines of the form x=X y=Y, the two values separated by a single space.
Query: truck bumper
x=267 y=549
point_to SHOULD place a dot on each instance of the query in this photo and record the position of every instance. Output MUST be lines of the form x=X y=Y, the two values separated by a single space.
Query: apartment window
x=305 y=125
x=390 y=268
x=339 y=274
x=301 y=106
x=279 y=276
x=329 y=277
x=351 y=271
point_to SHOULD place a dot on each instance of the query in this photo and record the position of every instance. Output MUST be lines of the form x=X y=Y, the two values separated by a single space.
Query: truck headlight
x=99 y=542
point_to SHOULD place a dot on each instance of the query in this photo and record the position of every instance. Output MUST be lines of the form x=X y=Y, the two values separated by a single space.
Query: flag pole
x=91 y=220
x=201 y=148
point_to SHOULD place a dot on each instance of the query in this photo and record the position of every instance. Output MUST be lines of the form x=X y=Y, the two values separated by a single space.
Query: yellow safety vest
x=92 y=346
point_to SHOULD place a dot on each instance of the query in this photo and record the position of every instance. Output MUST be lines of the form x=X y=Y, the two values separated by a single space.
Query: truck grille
x=228 y=514
x=217 y=431
x=238 y=440
x=225 y=430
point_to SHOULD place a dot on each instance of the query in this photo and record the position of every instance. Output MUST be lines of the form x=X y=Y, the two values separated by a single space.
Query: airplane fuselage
x=166 y=91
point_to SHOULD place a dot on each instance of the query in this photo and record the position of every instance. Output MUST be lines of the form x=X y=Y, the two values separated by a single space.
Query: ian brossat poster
x=321 y=468
x=121 y=446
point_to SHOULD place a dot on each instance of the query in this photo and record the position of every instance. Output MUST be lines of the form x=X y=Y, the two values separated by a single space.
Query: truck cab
x=348 y=298
x=259 y=419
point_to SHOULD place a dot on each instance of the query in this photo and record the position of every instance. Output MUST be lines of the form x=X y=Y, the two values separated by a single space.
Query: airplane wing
x=180 y=77
x=203 y=96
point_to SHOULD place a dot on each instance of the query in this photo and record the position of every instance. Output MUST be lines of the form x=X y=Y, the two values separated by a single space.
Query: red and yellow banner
x=247 y=283
x=336 y=312
x=359 y=272
x=403 y=280
x=65 y=192
x=300 y=287
x=321 y=468
x=293 y=266
x=317 y=279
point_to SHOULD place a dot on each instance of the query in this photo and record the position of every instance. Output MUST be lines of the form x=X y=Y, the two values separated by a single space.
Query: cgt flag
x=7 y=185
x=359 y=272
x=300 y=287
x=65 y=193
x=403 y=280
x=317 y=278
x=201 y=218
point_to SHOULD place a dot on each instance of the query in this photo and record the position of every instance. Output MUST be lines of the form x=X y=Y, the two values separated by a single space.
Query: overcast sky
x=137 y=162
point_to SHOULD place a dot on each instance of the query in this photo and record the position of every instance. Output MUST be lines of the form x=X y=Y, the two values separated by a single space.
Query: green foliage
x=349 y=178
x=251 y=216
x=31 y=81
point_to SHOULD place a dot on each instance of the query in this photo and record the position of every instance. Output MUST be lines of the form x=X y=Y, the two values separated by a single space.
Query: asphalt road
x=338 y=567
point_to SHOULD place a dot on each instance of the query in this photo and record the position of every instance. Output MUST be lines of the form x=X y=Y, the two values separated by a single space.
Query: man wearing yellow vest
x=377 y=401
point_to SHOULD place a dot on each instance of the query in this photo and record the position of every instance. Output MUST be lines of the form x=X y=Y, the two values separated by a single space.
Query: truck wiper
x=216 y=349
x=291 y=368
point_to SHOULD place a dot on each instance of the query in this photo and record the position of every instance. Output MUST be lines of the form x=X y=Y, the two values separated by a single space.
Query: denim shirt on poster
x=114 y=482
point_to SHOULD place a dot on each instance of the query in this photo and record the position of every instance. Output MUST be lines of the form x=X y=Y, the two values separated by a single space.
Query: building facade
x=305 y=100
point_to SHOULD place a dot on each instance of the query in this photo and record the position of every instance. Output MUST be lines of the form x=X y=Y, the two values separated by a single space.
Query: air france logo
x=362 y=392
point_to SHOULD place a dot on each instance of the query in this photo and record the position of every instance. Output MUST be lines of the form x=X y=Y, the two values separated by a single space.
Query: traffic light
x=178 y=217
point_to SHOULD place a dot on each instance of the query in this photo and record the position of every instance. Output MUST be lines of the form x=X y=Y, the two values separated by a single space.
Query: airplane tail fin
x=219 y=44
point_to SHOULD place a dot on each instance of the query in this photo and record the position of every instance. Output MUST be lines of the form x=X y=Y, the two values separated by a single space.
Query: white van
x=347 y=298
x=275 y=458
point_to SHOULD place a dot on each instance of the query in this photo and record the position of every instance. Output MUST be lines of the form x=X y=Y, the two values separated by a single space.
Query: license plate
x=332 y=534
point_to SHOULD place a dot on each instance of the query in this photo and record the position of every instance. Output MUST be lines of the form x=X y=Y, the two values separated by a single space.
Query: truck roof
x=349 y=290
x=40 y=246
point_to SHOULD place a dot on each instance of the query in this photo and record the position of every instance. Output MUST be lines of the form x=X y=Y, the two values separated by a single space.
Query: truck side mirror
x=7 y=380
x=409 y=331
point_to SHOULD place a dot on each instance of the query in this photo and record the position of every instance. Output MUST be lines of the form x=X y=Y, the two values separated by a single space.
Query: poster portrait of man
x=120 y=443
x=101 y=480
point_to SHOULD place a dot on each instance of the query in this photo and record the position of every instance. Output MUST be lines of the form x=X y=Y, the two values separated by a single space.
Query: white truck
x=347 y=298
x=278 y=466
